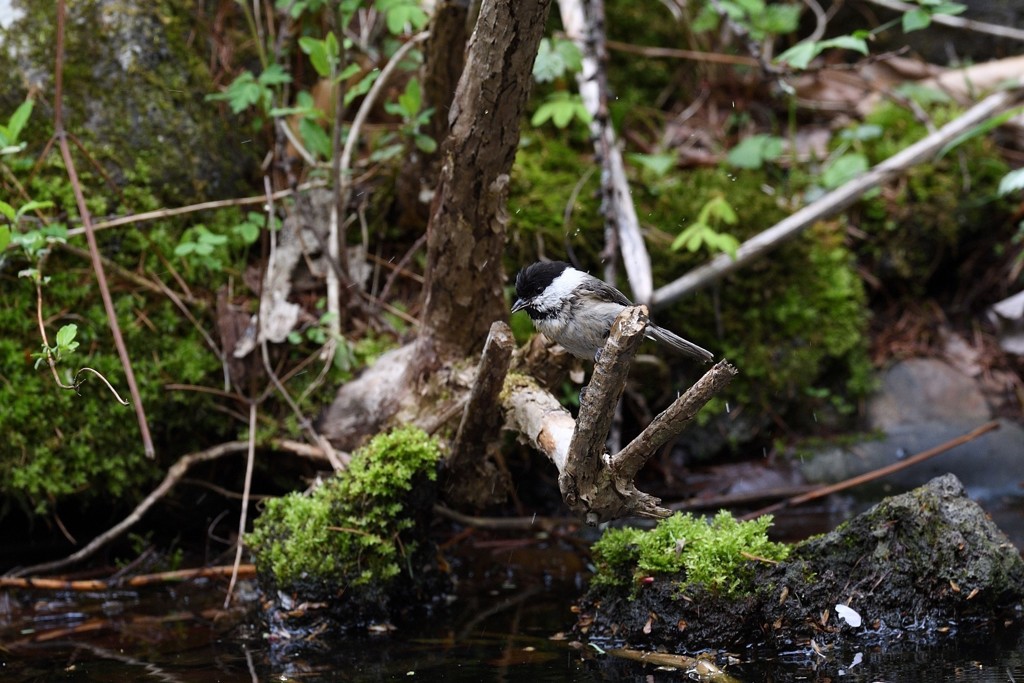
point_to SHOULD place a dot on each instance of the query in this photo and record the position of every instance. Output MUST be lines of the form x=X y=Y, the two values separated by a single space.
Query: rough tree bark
x=466 y=235
x=444 y=56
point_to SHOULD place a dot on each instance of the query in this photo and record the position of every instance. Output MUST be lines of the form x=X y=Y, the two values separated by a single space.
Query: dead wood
x=836 y=200
x=598 y=486
x=622 y=227
x=471 y=462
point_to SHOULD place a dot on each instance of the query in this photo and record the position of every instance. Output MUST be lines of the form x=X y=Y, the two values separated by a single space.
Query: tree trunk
x=466 y=234
x=444 y=56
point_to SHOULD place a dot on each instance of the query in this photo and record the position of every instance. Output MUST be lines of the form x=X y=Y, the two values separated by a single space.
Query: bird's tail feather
x=679 y=344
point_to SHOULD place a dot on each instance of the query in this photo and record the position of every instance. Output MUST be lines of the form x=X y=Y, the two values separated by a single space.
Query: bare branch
x=836 y=200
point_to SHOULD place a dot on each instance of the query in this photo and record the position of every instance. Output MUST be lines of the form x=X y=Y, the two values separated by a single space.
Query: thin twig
x=957 y=22
x=875 y=474
x=137 y=581
x=174 y=474
x=192 y=208
x=246 y=488
x=94 y=250
x=364 y=111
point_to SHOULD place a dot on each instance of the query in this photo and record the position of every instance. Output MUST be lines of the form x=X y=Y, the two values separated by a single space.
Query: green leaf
x=317 y=51
x=185 y=248
x=916 y=19
x=242 y=93
x=1012 y=182
x=548 y=64
x=399 y=13
x=248 y=232
x=66 y=336
x=411 y=100
x=212 y=239
x=658 y=164
x=425 y=143
x=32 y=206
x=862 y=133
x=690 y=237
x=5 y=236
x=560 y=108
x=275 y=74
x=800 y=55
x=719 y=210
x=315 y=138
x=362 y=87
x=855 y=43
x=17 y=121
x=845 y=168
x=7 y=210
x=754 y=151
x=348 y=72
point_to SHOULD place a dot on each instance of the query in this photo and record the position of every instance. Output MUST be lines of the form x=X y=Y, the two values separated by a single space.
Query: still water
x=510 y=619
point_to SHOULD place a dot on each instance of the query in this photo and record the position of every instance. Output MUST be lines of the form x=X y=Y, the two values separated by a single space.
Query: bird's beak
x=518 y=305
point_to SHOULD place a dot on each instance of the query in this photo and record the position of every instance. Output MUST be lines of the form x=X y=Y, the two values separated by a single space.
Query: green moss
x=354 y=530
x=716 y=554
x=59 y=444
x=936 y=213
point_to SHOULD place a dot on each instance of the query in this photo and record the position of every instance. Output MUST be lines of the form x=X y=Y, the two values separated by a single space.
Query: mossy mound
x=920 y=566
x=356 y=547
x=927 y=223
x=134 y=85
x=58 y=444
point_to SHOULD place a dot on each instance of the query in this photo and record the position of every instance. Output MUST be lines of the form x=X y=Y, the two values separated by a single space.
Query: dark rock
x=919 y=566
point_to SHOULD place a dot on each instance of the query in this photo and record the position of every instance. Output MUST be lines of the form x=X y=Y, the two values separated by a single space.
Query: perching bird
x=577 y=310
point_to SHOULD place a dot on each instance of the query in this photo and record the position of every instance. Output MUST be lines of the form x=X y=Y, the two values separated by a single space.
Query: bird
x=577 y=310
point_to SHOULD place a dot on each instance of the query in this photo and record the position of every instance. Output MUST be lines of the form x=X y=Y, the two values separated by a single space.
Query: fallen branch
x=875 y=474
x=174 y=474
x=835 y=201
x=178 y=575
x=617 y=202
x=697 y=669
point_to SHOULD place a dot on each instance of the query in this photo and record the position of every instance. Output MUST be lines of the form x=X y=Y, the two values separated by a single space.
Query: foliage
x=916 y=227
x=560 y=108
x=754 y=150
x=717 y=554
x=556 y=59
x=58 y=444
x=353 y=531
x=702 y=231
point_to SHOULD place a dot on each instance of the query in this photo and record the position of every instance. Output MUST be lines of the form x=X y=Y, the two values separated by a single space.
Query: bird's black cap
x=535 y=278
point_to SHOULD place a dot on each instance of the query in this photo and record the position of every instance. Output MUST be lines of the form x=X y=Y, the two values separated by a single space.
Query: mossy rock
x=920 y=567
x=58 y=444
x=357 y=546
x=134 y=88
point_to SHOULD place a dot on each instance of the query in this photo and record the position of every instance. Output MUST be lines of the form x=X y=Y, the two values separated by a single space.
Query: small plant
x=558 y=58
x=754 y=151
x=702 y=232
x=844 y=164
x=561 y=108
